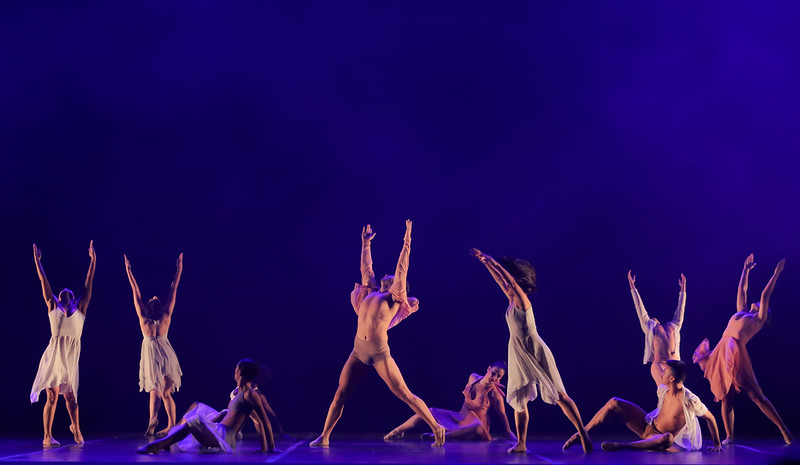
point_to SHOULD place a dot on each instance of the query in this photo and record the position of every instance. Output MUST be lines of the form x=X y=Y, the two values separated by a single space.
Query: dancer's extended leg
x=727 y=415
x=631 y=414
x=571 y=411
x=521 y=420
x=352 y=372
x=768 y=409
x=169 y=406
x=655 y=442
x=400 y=431
x=390 y=373
x=48 y=414
x=155 y=406
x=72 y=409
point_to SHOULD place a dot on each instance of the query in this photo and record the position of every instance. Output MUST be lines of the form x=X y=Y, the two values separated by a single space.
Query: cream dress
x=58 y=366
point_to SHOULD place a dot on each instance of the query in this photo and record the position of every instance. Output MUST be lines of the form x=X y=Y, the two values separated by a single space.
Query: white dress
x=58 y=366
x=158 y=360
x=530 y=363
x=689 y=437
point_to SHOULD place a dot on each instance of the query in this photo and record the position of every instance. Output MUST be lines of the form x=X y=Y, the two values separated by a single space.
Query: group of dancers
x=379 y=306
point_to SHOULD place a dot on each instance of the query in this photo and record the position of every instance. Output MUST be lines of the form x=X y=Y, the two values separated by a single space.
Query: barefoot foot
x=50 y=442
x=728 y=440
x=586 y=443
x=519 y=448
x=151 y=428
x=163 y=432
x=151 y=448
x=320 y=442
x=76 y=434
x=571 y=441
x=610 y=446
x=788 y=438
x=394 y=434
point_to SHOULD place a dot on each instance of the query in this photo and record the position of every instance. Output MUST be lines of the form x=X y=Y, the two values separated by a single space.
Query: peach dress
x=474 y=407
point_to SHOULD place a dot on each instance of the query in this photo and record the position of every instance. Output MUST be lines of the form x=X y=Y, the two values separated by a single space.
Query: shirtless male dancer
x=673 y=423
x=662 y=342
x=378 y=311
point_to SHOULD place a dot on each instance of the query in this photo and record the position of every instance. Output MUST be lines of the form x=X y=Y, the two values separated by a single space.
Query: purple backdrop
x=259 y=138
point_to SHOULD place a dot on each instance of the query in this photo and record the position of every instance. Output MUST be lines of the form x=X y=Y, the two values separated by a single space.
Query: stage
x=364 y=449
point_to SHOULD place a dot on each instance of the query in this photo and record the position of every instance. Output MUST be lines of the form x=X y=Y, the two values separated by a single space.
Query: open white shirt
x=689 y=437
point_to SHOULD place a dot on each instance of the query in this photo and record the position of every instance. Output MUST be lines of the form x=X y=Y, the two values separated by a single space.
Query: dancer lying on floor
x=661 y=341
x=728 y=368
x=201 y=420
x=472 y=422
x=159 y=370
x=58 y=367
x=672 y=425
x=378 y=310
x=531 y=366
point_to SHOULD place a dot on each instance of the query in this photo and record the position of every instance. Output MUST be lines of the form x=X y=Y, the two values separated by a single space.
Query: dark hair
x=522 y=271
x=678 y=369
x=248 y=369
x=499 y=364
x=153 y=309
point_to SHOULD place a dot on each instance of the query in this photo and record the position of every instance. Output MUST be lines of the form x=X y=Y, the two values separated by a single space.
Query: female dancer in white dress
x=58 y=368
x=159 y=370
x=530 y=362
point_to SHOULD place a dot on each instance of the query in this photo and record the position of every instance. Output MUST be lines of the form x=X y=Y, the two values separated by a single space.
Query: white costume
x=648 y=325
x=158 y=360
x=530 y=362
x=689 y=437
x=58 y=366
x=203 y=414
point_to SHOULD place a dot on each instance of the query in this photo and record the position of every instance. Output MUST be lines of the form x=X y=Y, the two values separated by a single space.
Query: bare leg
x=521 y=420
x=727 y=415
x=769 y=410
x=155 y=405
x=631 y=414
x=390 y=374
x=169 y=406
x=72 y=409
x=571 y=411
x=352 y=372
x=654 y=442
x=472 y=430
x=47 y=417
x=400 y=431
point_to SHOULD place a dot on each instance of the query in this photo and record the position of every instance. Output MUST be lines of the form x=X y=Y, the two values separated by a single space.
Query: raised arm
x=83 y=303
x=741 y=294
x=267 y=438
x=641 y=312
x=398 y=288
x=137 y=296
x=47 y=293
x=677 y=320
x=367 y=274
x=173 y=288
x=763 y=307
x=506 y=282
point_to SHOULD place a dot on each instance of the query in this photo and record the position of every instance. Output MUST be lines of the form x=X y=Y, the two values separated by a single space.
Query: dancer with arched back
x=159 y=370
x=728 y=367
x=378 y=310
x=531 y=366
x=58 y=367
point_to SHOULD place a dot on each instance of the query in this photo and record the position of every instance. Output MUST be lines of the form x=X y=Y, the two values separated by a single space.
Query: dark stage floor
x=372 y=450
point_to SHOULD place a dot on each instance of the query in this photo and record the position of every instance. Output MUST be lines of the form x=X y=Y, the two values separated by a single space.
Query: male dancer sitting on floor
x=672 y=425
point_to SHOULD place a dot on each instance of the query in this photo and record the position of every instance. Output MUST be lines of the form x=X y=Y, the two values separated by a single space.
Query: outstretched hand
x=749 y=262
x=479 y=255
x=37 y=254
x=179 y=262
x=367 y=234
x=92 y=253
x=408 y=230
x=632 y=280
x=779 y=267
x=682 y=282
x=127 y=262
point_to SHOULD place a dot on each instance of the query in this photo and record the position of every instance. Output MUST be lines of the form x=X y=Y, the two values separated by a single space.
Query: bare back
x=153 y=328
x=664 y=343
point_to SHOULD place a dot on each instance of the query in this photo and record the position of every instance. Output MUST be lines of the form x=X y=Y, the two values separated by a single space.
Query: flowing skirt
x=58 y=367
x=158 y=361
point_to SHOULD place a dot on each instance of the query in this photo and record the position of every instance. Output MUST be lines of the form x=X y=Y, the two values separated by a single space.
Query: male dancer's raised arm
x=398 y=288
x=641 y=312
x=47 y=292
x=83 y=303
x=677 y=320
x=367 y=274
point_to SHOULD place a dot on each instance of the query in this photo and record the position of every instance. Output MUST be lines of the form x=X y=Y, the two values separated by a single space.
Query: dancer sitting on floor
x=58 y=367
x=277 y=428
x=728 y=368
x=661 y=341
x=530 y=362
x=472 y=422
x=159 y=370
x=378 y=310
x=672 y=425
x=209 y=431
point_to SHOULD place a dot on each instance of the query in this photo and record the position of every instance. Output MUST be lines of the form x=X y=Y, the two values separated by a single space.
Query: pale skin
x=66 y=303
x=743 y=325
x=232 y=419
x=483 y=385
x=151 y=328
x=664 y=335
x=518 y=298
x=669 y=422
x=374 y=317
